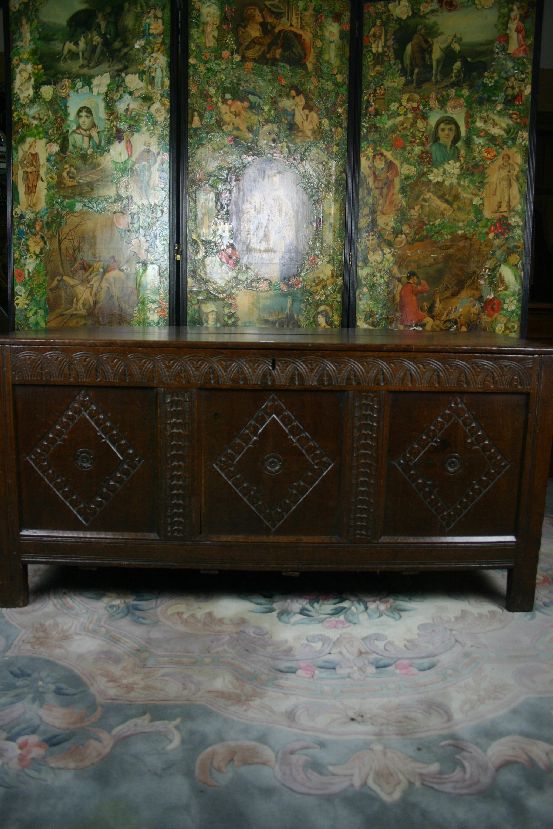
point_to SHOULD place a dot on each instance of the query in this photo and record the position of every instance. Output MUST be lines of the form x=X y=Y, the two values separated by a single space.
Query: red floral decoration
x=492 y=306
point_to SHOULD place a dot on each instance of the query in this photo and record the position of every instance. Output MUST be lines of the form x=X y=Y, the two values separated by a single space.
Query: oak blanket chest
x=221 y=449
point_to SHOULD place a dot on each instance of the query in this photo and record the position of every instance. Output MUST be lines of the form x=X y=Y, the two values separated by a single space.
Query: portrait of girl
x=445 y=139
x=86 y=136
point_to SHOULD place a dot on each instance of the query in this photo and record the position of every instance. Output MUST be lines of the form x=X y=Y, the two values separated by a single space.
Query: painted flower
x=19 y=274
x=31 y=262
x=46 y=92
x=398 y=142
x=492 y=306
x=448 y=172
x=281 y=79
x=229 y=256
x=408 y=170
x=134 y=83
x=100 y=83
x=35 y=244
x=64 y=87
x=498 y=228
x=158 y=111
x=21 y=301
x=489 y=153
x=225 y=54
x=23 y=84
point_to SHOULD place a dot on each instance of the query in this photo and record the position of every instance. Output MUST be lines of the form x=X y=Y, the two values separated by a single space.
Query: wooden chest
x=296 y=451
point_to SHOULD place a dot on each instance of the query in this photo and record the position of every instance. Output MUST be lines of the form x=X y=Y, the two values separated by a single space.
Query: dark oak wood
x=335 y=450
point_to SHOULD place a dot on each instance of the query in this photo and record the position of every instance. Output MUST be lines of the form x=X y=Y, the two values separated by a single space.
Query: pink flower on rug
x=333 y=624
x=306 y=670
x=404 y=667
x=20 y=755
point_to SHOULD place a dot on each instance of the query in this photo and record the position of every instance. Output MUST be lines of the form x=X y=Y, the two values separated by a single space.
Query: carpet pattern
x=166 y=700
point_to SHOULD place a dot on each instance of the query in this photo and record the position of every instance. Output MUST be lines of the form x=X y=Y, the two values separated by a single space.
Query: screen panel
x=267 y=132
x=90 y=93
x=444 y=155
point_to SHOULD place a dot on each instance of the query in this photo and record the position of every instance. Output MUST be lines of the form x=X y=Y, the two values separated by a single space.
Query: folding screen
x=270 y=95
x=90 y=103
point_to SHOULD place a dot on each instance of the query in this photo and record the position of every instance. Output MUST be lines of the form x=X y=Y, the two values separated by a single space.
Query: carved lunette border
x=327 y=371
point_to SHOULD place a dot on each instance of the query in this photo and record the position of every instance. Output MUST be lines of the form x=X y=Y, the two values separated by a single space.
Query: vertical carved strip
x=366 y=415
x=178 y=477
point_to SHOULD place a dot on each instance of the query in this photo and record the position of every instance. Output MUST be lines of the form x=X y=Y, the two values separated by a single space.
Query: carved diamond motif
x=452 y=463
x=273 y=463
x=82 y=440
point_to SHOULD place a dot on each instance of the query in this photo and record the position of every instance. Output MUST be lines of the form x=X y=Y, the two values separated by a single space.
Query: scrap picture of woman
x=86 y=137
x=445 y=138
x=30 y=167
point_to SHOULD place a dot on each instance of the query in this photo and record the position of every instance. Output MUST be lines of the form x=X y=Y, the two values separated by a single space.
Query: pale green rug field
x=138 y=700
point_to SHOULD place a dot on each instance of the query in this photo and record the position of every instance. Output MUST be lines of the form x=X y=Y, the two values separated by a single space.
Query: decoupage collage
x=268 y=112
x=441 y=237
x=90 y=108
x=446 y=103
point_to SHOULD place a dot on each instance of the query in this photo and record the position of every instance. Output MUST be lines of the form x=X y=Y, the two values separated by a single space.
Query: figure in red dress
x=409 y=311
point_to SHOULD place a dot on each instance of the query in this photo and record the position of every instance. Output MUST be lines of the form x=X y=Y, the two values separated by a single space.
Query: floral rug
x=139 y=699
